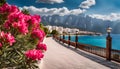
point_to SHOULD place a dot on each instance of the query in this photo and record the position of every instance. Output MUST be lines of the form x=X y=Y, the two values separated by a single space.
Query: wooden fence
x=115 y=54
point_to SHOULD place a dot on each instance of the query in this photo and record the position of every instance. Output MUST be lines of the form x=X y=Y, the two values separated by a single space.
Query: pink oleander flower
x=2 y=34
x=35 y=19
x=15 y=24
x=10 y=39
x=15 y=17
x=6 y=8
x=7 y=24
x=22 y=27
x=18 y=21
x=14 y=9
x=27 y=18
x=41 y=46
x=0 y=44
x=34 y=54
x=22 y=22
x=7 y=37
x=37 y=33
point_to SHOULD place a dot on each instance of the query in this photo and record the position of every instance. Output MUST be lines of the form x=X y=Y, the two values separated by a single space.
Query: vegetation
x=2 y=2
x=47 y=32
x=21 y=39
x=25 y=11
x=54 y=32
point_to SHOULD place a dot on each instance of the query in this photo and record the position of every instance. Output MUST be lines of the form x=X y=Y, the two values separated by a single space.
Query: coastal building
x=57 y=28
x=60 y=30
x=49 y=28
x=66 y=30
x=54 y=27
x=71 y=30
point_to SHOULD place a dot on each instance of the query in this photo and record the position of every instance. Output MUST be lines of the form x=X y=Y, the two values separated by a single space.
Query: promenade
x=59 y=56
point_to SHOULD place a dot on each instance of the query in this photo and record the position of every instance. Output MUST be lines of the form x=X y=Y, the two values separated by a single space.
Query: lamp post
x=76 y=39
x=108 y=44
x=69 y=38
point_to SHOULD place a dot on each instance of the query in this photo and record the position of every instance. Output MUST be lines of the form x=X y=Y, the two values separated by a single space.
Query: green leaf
x=14 y=61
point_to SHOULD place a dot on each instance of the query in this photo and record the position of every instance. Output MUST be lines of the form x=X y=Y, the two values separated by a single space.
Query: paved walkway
x=61 y=57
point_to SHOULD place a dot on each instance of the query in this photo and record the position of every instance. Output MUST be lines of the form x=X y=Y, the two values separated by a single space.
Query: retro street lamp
x=108 y=44
x=109 y=31
x=76 y=39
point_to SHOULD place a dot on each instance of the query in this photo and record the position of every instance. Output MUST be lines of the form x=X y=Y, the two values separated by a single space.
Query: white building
x=60 y=30
x=66 y=30
x=54 y=27
x=49 y=28
x=73 y=31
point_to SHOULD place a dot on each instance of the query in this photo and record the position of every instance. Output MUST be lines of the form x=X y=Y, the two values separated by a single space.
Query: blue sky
x=105 y=7
x=95 y=8
x=101 y=6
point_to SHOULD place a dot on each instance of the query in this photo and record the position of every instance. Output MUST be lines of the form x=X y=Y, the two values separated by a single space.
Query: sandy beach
x=60 y=57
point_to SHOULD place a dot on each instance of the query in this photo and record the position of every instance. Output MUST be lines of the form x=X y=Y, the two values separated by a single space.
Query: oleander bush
x=21 y=39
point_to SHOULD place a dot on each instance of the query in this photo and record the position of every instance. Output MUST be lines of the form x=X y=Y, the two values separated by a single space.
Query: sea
x=96 y=40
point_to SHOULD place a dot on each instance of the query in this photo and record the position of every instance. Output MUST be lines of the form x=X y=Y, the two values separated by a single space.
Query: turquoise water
x=98 y=40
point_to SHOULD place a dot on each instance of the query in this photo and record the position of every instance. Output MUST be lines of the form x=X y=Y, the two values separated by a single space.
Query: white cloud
x=59 y=11
x=86 y=4
x=111 y=17
x=49 y=1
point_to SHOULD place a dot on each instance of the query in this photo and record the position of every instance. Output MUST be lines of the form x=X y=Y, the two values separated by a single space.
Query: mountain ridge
x=82 y=22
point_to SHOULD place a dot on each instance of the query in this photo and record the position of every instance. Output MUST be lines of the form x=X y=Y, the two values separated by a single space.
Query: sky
x=101 y=9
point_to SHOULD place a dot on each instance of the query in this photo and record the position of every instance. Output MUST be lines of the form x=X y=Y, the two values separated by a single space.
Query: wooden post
x=69 y=38
x=108 y=47
x=76 y=40
x=60 y=37
x=53 y=36
x=63 y=36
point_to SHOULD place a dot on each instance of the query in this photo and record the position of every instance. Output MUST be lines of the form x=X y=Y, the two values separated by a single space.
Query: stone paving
x=59 y=56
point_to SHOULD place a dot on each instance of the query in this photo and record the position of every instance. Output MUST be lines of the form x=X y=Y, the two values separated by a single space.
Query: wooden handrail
x=100 y=51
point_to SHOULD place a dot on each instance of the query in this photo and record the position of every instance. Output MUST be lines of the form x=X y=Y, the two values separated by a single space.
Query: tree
x=41 y=26
x=25 y=11
x=54 y=32
x=46 y=30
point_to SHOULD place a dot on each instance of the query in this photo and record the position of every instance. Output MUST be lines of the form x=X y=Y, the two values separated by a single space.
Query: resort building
x=49 y=28
x=71 y=30
x=60 y=30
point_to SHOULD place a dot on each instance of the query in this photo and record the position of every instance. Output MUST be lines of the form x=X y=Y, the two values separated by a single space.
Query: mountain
x=83 y=22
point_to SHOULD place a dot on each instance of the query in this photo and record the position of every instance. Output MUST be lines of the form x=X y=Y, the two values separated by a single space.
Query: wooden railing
x=115 y=54
x=93 y=49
